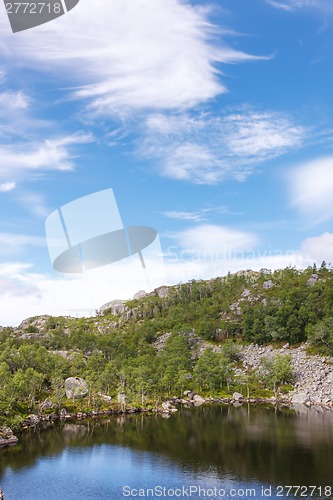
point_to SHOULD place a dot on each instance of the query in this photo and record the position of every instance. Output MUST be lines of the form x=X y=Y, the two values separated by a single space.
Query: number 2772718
x=33 y=8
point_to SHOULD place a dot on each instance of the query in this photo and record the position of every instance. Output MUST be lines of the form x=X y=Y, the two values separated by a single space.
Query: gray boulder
x=198 y=400
x=237 y=396
x=7 y=437
x=161 y=291
x=268 y=284
x=76 y=387
x=139 y=294
x=168 y=407
x=313 y=279
x=300 y=398
x=116 y=307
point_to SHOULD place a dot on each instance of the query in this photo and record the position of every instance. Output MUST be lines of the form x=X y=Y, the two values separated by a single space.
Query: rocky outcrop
x=46 y=405
x=116 y=307
x=37 y=322
x=193 y=340
x=139 y=295
x=76 y=387
x=161 y=291
x=7 y=437
x=167 y=407
x=237 y=396
x=71 y=355
x=300 y=398
x=198 y=400
x=313 y=374
x=268 y=284
x=160 y=341
x=313 y=279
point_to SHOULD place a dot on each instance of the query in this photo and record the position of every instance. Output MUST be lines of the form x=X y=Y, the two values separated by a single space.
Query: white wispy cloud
x=123 y=59
x=19 y=158
x=281 y=5
x=294 y=5
x=25 y=293
x=208 y=251
x=14 y=243
x=11 y=101
x=311 y=189
x=217 y=239
x=184 y=215
x=318 y=248
x=29 y=145
x=22 y=157
x=262 y=135
x=201 y=215
x=5 y=187
x=209 y=149
x=33 y=202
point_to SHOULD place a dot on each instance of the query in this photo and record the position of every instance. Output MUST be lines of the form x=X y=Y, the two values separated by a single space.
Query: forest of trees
x=118 y=354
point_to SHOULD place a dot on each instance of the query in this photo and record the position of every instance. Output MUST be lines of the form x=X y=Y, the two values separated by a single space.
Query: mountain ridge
x=194 y=336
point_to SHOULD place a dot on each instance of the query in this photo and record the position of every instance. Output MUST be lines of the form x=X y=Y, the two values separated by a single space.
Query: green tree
x=27 y=385
x=321 y=335
x=211 y=370
x=58 y=392
x=276 y=371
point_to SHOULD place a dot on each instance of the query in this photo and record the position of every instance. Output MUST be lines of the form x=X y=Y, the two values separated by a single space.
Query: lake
x=200 y=452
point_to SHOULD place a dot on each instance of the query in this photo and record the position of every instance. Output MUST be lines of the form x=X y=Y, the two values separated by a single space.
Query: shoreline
x=167 y=408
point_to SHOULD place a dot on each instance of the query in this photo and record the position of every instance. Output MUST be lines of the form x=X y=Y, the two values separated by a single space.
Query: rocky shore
x=7 y=438
x=313 y=383
x=312 y=387
x=294 y=401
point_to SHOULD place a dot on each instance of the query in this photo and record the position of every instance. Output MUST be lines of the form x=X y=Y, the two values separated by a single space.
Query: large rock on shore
x=76 y=387
x=237 y=396
x=7 y=437
x=300 y=398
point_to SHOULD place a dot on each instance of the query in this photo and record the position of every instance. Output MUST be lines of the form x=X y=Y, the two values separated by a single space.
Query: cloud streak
x=147 y=55
x=184 y=215
x=11 y=101
x=311 y=189
x=318 y=248
x=15 y=243
x=294 y=5
x=5 y=187
x=207 y=149
x=19 y=158
x=216 y=239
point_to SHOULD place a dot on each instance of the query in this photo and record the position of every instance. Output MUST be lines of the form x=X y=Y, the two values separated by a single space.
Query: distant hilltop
x=265 y=306
x=245 y=335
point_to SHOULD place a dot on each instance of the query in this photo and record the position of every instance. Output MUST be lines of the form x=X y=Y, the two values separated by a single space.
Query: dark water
x=206 y=452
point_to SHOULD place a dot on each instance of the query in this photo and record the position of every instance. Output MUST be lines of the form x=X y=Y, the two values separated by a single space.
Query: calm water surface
x=206 y=452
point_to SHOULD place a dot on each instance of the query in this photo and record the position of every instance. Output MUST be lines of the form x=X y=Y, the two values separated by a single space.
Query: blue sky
x=211 y=122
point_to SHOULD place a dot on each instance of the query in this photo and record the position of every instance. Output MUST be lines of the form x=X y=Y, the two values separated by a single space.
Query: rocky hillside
x=313 y=374
x=247 y=332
